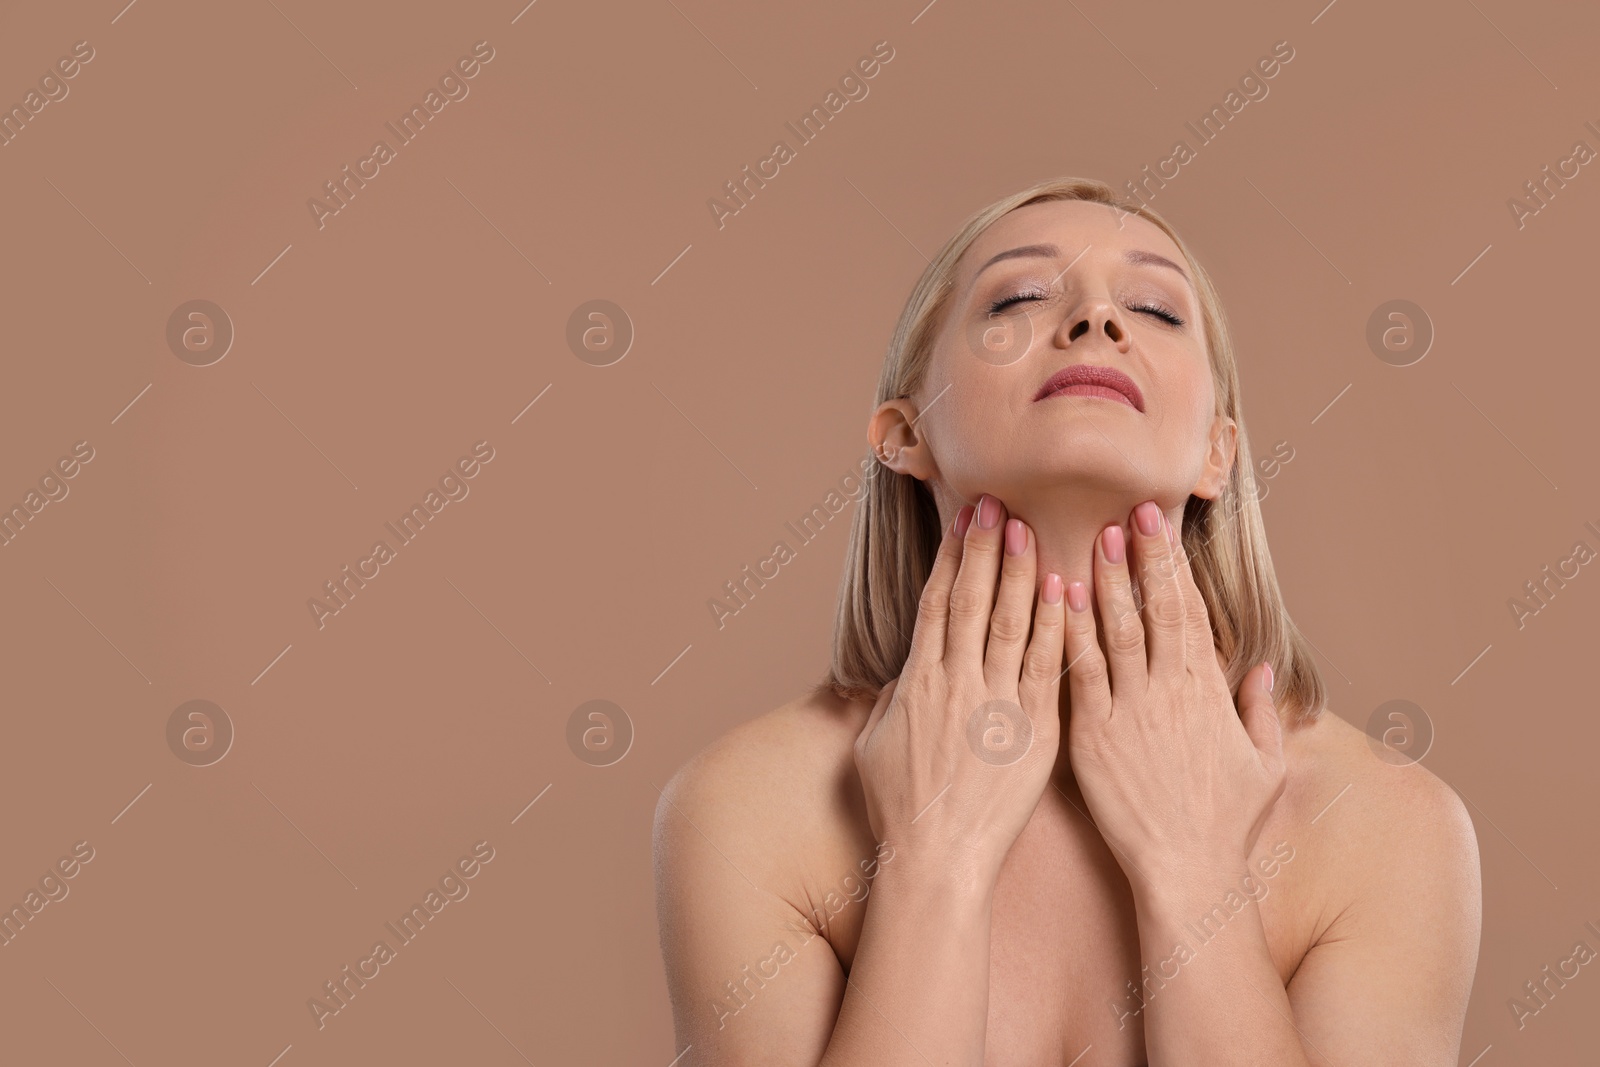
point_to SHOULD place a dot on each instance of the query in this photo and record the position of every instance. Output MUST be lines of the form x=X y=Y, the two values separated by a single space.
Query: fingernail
x=1111 y=542
x=1016 y=537
x=1148 y=516
x=1172 y=535
x=1269 y=677
x=988 y=511
x=1052 y=588
x=963 y=520
x=1078 y=596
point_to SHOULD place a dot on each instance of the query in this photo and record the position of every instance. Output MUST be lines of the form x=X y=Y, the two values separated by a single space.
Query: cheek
x=961 y=446
x=1188 y=427
x=1181 y=414
x=972 y=435
x=970 y=405
x=1188 y=396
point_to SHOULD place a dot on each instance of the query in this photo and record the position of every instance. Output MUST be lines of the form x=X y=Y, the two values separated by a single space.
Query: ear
x=1219 y=459
x=898 y=441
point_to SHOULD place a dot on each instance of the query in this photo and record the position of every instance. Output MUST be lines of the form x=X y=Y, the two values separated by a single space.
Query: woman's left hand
x=1178 y=781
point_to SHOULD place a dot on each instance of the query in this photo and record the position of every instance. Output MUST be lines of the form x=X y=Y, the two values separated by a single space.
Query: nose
x=1096 y=316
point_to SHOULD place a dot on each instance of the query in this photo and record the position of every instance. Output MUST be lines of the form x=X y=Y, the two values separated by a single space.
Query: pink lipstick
x=1083 y=379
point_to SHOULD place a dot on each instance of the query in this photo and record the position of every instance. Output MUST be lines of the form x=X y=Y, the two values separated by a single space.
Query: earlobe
x=1219 y=459
x=897 y=442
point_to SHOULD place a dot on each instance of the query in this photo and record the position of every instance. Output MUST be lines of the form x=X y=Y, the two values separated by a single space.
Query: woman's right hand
x=958 y=748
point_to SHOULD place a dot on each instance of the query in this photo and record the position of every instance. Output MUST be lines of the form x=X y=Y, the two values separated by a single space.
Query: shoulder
x=1345 y=778
x=1391 y=905
x=770 y=792
x=783 y=757
x=1377 y=822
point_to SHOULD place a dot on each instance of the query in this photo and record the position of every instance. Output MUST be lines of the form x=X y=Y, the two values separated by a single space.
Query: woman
x=946 y=854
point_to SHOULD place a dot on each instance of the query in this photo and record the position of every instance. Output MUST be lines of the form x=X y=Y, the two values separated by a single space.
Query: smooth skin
x=850 y=883
x=1180 y=783
x=1180 y=786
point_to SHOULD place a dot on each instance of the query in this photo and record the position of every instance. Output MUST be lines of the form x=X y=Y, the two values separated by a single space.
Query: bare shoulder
x=740 y=831
x=774 y=793
x=1389 y=903
x=1339 y=775
x=1372 y=818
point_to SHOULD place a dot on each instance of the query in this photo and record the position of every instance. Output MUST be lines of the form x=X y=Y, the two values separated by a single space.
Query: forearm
x=918 y=990
x=1212 y=995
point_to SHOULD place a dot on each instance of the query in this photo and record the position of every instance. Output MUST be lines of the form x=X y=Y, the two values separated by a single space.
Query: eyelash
x=1154 y=309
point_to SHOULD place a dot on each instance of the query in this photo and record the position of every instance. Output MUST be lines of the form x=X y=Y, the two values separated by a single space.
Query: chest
x=1065 y=972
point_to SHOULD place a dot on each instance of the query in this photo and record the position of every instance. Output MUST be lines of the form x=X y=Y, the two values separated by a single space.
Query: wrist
x=1184 y=900
x=945 y=877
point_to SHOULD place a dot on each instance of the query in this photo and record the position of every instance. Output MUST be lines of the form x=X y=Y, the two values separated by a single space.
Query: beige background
x=371 y=753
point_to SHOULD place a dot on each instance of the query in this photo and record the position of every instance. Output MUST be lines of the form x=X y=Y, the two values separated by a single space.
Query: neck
x=1066 y=527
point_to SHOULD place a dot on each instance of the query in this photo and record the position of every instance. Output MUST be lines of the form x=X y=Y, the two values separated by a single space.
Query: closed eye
x=1000 y=305
x=1150 y=309
x=1159 y=312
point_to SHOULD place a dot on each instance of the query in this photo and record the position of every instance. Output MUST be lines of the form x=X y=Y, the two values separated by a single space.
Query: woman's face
x=1067 y=286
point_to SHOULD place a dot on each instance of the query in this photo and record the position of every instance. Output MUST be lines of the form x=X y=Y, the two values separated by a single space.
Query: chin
x=1107 y=475
x=1085 y=451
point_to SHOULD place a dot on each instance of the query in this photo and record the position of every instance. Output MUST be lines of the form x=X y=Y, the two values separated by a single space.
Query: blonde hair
x=895 y=532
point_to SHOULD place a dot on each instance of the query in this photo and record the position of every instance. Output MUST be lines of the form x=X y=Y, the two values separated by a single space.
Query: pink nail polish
x=988 y=511
x=1016 y=537
x=1112 y=544
x=963 y=519
x=1148 y=516
x=1078 y=596
x=1051 y=593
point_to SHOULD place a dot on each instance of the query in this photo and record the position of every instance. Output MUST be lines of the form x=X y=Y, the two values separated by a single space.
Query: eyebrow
x=1133 y=255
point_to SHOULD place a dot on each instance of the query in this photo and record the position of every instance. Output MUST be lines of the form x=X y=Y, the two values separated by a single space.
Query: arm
x=1389 y=982
x=1220 y=1001
x=1386 y=983
x=752 y=982
x=952 y=761
x=919 y=984
x=1181 y=783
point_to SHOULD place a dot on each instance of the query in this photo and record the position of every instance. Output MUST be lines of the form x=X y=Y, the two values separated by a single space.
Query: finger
x=1119 y=617
x=972 y=594
x=1164 y=610
x=1259 y=714
x=927 y=637
x=1008 y=624
x=1200 y=642
x=879 y=707
x=1088 y=684
x=1039 y=688
x=875 y=716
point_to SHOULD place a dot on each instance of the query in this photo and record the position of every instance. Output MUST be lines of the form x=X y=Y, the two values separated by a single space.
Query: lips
x=1084 y=379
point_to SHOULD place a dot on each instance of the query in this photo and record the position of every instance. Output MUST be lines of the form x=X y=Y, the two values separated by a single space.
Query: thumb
x=881 y=705
x=1259 y=714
